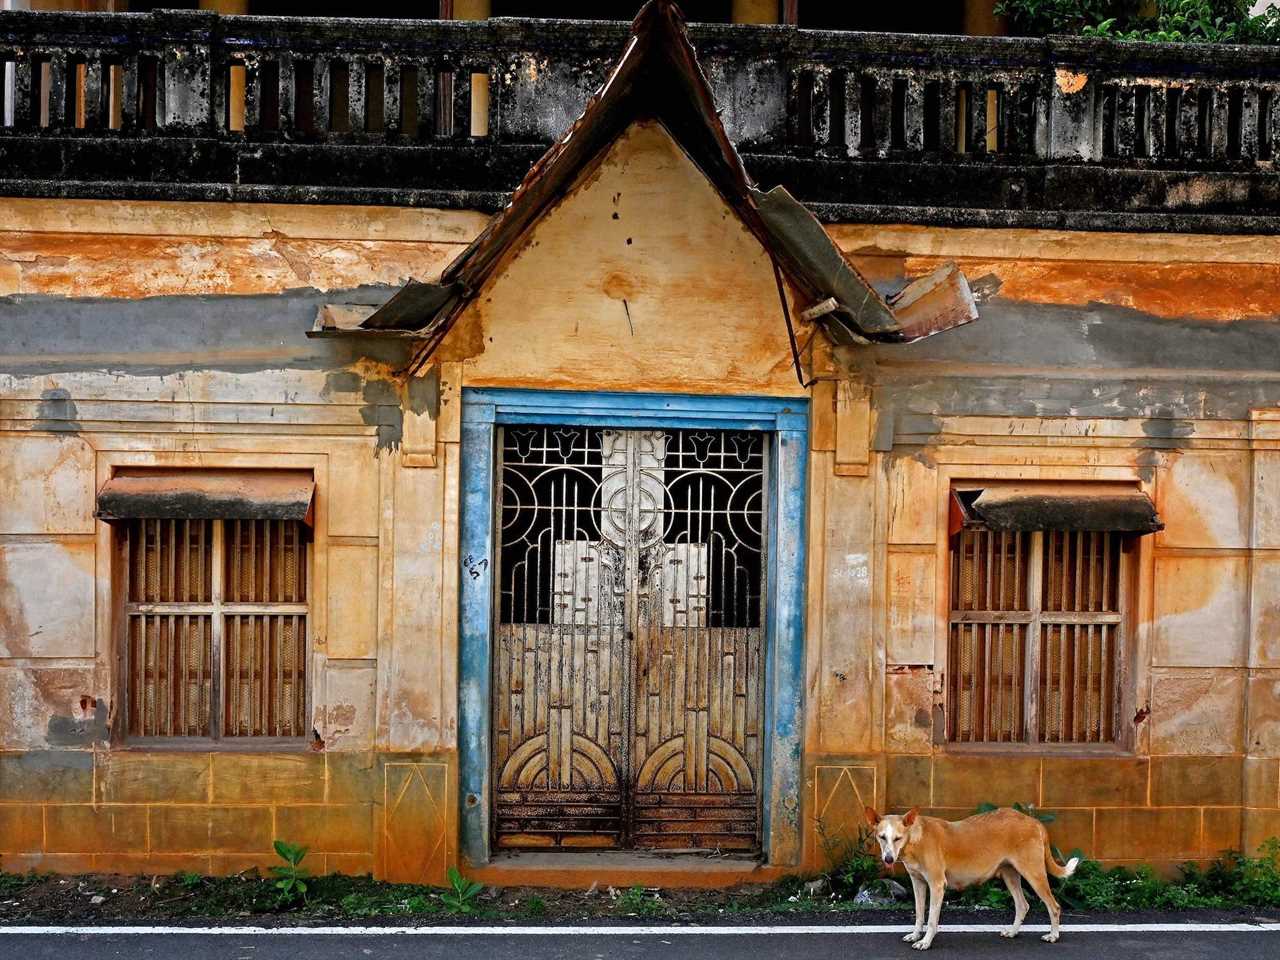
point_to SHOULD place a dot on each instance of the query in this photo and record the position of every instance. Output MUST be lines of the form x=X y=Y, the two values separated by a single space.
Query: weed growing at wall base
x=461 y=895
x=1232 y=882
x=290 y=878
x=640 y=902
x=851 y=863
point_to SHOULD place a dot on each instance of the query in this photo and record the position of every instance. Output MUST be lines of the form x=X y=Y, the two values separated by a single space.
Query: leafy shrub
x=1175 y=21
x=535 y=907
x=1093 y=888
x=1040 y=18
x=1235 y=878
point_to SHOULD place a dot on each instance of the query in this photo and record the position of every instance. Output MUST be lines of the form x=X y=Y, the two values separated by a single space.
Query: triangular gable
x=640 y=278
x=658 y=78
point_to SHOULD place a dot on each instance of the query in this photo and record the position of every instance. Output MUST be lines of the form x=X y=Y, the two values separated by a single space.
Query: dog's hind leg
x=1013 y=880
x=920 y=890
x=1039 y=881
x=937 y=889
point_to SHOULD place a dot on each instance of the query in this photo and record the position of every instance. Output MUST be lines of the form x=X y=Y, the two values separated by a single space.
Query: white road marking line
x=625 y=931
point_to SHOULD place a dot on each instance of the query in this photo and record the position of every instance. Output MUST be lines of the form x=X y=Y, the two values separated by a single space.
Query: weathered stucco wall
x=151 y=334
x=167 y=334
x=1097 y=357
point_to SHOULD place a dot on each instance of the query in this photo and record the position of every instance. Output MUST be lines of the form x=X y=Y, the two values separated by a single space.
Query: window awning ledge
x=208 y=494
x=1060 y=507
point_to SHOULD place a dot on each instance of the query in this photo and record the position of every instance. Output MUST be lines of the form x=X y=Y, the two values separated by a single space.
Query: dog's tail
x=1055 y=869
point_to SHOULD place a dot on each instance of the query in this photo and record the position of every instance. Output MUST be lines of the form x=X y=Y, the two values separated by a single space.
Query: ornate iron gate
x=628 y=666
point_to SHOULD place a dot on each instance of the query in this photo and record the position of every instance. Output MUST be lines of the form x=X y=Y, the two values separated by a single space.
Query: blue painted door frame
x=787 y=421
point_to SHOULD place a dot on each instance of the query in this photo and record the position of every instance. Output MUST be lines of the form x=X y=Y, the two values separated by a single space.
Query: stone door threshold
x=621 y=868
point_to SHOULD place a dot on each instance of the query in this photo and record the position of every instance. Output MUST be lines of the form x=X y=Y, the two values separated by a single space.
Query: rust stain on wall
x=14 y=629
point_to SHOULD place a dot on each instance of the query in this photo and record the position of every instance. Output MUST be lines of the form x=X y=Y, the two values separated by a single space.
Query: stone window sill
x=1047 y=750
x=205 y=745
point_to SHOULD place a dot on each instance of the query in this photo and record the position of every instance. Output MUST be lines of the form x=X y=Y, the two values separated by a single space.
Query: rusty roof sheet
x=197 y=494
x=658 y=77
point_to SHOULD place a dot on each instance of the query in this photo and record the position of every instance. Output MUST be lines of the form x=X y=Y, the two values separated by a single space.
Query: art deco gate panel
x=628 y=657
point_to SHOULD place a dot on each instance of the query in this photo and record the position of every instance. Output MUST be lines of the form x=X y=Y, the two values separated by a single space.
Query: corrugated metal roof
x=658 y=78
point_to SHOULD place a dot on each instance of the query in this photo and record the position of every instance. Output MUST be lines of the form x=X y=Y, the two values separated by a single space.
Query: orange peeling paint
x=133 y=266
x=1220 y=292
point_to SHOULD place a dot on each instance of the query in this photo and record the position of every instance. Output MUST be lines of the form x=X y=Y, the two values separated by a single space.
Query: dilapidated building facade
x=526 y=445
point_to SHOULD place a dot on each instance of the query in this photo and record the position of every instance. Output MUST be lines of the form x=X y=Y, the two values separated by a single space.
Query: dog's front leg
x=918 y=888
x=937 y=888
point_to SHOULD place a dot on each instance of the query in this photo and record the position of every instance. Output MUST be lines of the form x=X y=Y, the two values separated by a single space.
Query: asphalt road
x=1179 y=945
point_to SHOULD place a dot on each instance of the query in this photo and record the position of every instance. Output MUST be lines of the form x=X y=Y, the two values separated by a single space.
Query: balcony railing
x=241 y=83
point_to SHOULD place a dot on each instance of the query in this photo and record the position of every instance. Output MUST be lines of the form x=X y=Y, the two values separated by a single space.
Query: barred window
x=215 y=623
x=1037 y=633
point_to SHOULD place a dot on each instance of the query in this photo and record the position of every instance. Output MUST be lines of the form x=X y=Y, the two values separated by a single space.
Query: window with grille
x=1036 y=636
x=215 y=625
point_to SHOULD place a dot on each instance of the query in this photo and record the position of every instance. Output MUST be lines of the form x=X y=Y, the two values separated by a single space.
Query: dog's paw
x=922 y=945
x=1008 y=933
x=1050 y=938
x=911 y=937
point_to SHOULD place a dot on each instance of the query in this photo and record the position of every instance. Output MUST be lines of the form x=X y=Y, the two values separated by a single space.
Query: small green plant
x=461 y=893
x=993 y=895
x=290 y=878
x=419 y=904
x=189 y=880
x=12 y=884
x=535 y=907
x=639 y=901
x=852 y=864
x=359 y=905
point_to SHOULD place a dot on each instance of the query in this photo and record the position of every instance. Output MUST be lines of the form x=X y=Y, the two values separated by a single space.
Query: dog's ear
x=872 y=817
x=910 y=818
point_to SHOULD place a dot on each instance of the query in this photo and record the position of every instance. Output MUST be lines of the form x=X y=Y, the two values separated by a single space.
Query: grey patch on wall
x=882 y=441
x=57 y=412
x=424 y=394
x=1038 y=360
x=341 y=381
x=79 y=732
x=167 y=335
x=920 y=424
x=1170 y=429
x=382 y=410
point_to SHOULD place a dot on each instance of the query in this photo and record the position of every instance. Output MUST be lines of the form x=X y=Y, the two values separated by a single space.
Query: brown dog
x=940 y=853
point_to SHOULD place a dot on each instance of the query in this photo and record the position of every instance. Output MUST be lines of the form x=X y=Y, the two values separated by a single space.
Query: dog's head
x=890 y=832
